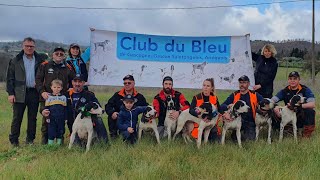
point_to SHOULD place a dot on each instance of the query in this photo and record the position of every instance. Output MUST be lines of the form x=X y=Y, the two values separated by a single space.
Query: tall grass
x=147 y=160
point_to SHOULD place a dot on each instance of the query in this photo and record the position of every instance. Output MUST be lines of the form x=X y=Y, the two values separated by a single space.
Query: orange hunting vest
x=253 y=101
x=199 y=100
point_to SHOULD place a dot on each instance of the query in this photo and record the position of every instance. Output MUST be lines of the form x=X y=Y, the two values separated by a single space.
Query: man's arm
x=156 y=106
x=10 y=78
x=40 y=78
x=310 y=99
x=109 y=107
x=278 y=97
x=183 y=102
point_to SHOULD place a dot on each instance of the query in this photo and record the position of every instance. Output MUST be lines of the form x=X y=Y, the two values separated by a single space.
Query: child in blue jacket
x=128 y=119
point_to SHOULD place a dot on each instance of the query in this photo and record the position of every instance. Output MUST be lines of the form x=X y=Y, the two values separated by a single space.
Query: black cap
x=129 y=77
x=294 y=74
x=79 y=77
x=167 y=78
x=128 y=97
x=58 y=49
x=74 y=45
x=244 y=78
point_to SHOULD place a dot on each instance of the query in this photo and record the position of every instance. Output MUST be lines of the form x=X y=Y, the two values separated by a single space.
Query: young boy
x=128 y=119
x=57 y=105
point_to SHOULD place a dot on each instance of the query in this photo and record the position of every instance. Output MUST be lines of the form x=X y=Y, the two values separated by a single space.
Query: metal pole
x=312 y=53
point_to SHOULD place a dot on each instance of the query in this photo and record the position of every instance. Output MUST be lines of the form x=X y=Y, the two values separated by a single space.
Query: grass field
x=147 y=160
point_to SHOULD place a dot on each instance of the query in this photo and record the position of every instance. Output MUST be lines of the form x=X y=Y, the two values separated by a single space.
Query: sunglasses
x=127 y=83
x=59 y=54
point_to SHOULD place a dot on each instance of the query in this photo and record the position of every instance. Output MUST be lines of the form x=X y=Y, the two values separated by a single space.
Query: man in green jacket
x=22 y=92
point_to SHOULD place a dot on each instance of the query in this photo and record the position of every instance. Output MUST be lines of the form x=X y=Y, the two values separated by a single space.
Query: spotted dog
x=263 y=117
x=227 y=78
x=148 y=121
x=102 y=44
x=83 y=125
x=289 y=115
x=169 y=123
x=235 y=111
x=206 y=110
x=199 y=66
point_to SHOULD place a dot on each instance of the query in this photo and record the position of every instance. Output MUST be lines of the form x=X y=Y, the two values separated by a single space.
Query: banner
x=188 y=60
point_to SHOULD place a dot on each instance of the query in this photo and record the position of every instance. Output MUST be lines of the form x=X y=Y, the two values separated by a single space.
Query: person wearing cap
x=47 y=72
x=251 y=98
x=307 y=123
x=160 y=103
x=78 y=97
x=115 y=102
x=20 y=85
x=266 y=70
x=78 y=60
x=128 y=118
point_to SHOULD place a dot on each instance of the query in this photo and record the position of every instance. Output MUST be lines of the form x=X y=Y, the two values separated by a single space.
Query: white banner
x=188 y=60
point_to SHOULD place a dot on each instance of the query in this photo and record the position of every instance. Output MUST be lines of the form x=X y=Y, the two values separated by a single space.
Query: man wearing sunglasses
x=47 y=72
x=21 y=90
x=115 y=102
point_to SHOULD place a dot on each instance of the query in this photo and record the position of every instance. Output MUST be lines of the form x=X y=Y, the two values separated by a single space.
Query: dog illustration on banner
x=102 y=71
x=199 y=66
x=227 y=78
x=102 y=44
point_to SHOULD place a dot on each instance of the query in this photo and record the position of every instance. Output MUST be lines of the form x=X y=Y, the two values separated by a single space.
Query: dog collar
x=85 y=113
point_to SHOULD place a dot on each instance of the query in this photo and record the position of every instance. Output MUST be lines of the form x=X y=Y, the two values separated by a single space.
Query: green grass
x=147 y=160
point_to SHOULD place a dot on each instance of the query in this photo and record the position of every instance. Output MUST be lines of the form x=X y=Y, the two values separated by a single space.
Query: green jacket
x=16 y=76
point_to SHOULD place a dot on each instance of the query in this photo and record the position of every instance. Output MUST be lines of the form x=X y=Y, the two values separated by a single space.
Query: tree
x=308 y=65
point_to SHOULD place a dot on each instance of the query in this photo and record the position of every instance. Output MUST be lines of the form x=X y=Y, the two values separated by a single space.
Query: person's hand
x=92 y=29
x=45 y=95
x=45 y=112
x=11 y=99
x=226 y=116
x=114 y=115
x=276 y=110
x=130 y=130
x=174 y=115
x=256 y=87
x=206 y=120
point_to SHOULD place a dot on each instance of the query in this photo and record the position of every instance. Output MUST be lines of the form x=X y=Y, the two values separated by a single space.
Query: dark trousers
x=55 y=128
x=248 y=131
x=130 y=138
x=113 y=128
x=32 y=103
x=44 y=127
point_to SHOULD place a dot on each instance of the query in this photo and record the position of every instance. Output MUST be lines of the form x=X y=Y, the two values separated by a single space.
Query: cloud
x=69 y=25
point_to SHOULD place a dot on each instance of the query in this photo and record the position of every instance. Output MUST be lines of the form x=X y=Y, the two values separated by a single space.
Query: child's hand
x=130 y=130
x=48 y=120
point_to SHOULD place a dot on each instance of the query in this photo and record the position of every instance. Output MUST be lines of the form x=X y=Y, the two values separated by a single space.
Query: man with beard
x=115 y=102
x=251 y=98
x=160 y=103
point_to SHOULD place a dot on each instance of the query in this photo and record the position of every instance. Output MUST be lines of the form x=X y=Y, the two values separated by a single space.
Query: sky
x=277 y=21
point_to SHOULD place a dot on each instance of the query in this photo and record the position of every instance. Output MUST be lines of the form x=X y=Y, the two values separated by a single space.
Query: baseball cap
x=129 y=77
x=294 y=74
x=167 y=78
x=244 y=78
x=58 y=49
x=79 y=77
x=74 y=45
x=128 y=97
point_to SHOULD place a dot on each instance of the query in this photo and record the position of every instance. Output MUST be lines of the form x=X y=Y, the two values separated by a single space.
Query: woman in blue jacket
x=266 y=70
x=128 y=119
x=78 y=60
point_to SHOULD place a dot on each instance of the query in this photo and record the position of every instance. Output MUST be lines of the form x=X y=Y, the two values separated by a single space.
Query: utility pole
x=312 y=53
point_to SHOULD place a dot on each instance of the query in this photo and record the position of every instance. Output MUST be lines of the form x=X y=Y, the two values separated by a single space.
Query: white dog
x=206 y=109
x=235 y=123
x=83 y=124
x=263 y=117
x=289 y=115
x=170 y=124
x=148 y=121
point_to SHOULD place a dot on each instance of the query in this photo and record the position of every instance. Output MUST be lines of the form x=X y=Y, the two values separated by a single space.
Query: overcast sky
x=277 y=21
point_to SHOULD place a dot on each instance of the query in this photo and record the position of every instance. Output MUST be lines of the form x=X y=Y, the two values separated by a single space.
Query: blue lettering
x=122 y=43
x=196 y=46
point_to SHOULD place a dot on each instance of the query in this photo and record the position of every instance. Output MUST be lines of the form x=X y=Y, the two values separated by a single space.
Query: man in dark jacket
x=115 y=102
x=47 y=72
x=22 y=92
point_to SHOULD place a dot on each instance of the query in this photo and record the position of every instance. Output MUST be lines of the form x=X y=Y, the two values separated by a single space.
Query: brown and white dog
x=206 y=110
x=235 y=111
x=83 y=124
x=263 y=116
x=170 y=124
x=148 y=121
x=289 y=115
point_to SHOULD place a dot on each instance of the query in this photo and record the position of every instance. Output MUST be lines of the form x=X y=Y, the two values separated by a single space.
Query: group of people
x=59 y=87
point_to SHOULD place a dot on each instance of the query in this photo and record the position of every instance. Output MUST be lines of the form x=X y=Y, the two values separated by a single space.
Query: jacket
x=16 y=76
x=78 y=64
x=265 y=73
x=115 y=102
x=48 y=71
x=129 y=118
